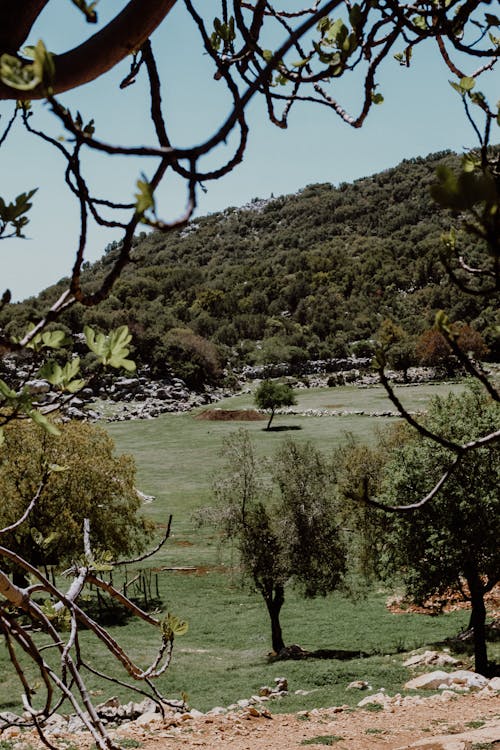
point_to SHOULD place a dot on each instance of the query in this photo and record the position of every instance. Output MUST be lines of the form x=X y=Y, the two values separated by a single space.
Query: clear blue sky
x=421 y=114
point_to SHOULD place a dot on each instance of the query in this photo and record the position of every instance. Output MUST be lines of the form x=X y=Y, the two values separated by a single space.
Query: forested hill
x=287 y=279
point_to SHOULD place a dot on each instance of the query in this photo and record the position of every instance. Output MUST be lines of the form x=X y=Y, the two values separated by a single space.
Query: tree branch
x=102 y=51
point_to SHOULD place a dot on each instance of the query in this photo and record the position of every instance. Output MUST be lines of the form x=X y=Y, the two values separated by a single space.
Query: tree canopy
x=80 y=477
x=271 y=395
x=287 y=530
x=450 y=545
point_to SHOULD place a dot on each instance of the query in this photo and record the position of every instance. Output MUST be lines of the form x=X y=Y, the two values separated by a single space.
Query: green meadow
x=224 y=655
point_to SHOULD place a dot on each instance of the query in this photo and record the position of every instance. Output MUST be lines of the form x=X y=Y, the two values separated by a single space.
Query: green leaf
x=41 y=420
x=467 y=83
x=112 y=349
x=377 y=98
x=144 y=197
x=6 y=391
x=420 y=22
x=173 y=625
x=355 y=16
x=301 y=63
x=48 y=339
x=43 y=65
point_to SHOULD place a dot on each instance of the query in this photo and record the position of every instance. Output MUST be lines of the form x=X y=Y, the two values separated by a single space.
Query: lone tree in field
x=271 y=395
x=449 y=545
x=287 y=529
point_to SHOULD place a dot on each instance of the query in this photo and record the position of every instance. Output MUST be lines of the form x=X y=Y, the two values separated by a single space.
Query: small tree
x=451 y=543
x=87 y=480
x=289 y=536
x=271 y=395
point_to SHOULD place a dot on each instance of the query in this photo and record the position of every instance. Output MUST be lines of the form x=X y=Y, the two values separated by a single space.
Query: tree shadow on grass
x=296 y=653
x=283 y=428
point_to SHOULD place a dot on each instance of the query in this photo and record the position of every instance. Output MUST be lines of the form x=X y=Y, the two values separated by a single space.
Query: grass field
x=223 y=657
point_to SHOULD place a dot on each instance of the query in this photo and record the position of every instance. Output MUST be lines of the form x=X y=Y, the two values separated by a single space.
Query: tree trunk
x=478 y=623
x=274 y=601
x=270 y=419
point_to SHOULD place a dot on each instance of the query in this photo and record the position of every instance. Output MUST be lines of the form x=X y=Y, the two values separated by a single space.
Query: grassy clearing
x=223 y=657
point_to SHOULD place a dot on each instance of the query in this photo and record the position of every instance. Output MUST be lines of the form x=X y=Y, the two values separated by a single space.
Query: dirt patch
x=197 y=570
x=436 y=723
x=448 y=602
x=231 y=415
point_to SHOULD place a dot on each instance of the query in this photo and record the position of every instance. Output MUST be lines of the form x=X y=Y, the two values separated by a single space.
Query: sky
x=421 y=114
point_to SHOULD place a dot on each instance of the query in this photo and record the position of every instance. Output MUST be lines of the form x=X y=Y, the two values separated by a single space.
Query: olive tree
x=283 y=521
x=448 y=546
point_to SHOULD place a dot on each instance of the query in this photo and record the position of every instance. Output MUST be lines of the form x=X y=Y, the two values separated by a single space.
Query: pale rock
x=217 y=711
x=427 y=681
x=110 y=703
x=7 y=717
x=462 y=680
x=145 y=719
x=439 y=659
x=447 y=695
x=494 y=683
x=252 y=712
x=380 y=699
x=358 y=685
x=147 y=706
x=243 y=703
x=466 y=679
x=196 y=714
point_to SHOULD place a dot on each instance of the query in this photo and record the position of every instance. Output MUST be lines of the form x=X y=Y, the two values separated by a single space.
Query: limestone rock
x=358 y=685
x=438 y=659
x=439 y=680
x=379 y=699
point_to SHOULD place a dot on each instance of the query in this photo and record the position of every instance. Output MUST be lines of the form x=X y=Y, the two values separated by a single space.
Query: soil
x=438 y=722
x=470 y=721
x=231 y=415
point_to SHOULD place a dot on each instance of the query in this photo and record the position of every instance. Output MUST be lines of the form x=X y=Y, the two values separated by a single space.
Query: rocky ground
x=439 y=722
x=460 y=710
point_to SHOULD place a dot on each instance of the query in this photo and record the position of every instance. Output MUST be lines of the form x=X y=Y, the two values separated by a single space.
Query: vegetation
x=223 y=656
x=294 y=538
x=76 y=475
x=454 y=539
x=329 y=48
x=271 y=395
x=296 y=278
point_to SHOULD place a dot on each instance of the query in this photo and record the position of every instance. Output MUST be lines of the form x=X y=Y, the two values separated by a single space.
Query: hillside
x=288 y=279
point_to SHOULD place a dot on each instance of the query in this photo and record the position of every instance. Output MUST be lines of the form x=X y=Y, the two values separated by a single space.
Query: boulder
x=438 y=680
